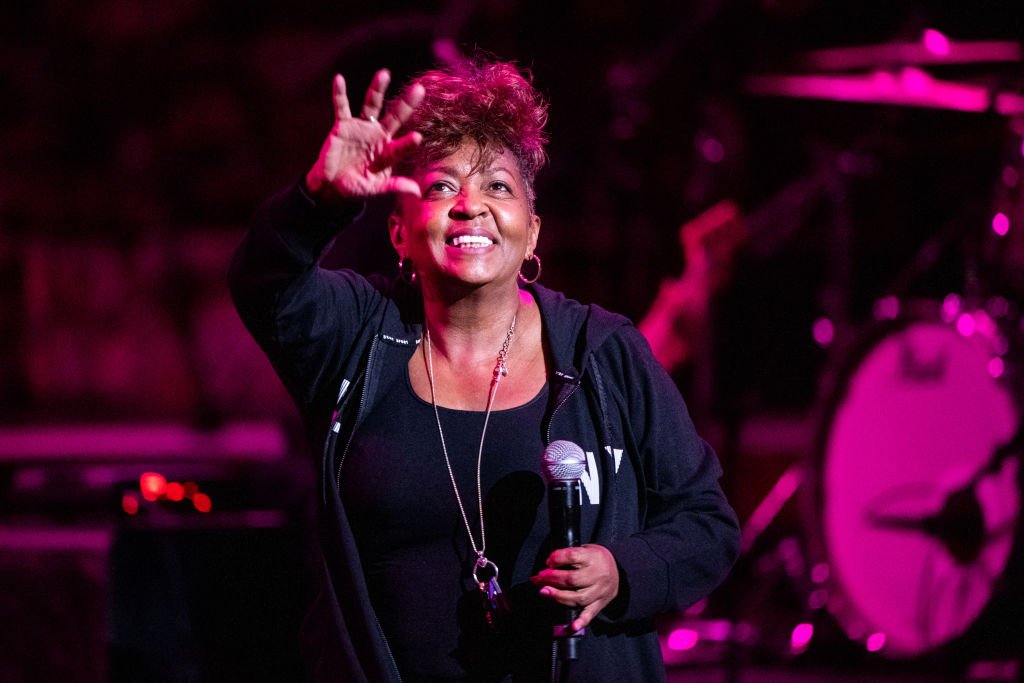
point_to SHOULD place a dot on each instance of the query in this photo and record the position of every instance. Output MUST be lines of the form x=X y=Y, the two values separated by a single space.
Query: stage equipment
x=891 y=73
x=914 y=500
x=909 y=86
x=933 y=48
x=151 y=552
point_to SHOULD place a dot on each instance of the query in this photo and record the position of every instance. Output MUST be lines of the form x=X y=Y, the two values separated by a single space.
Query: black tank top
x=414 y=546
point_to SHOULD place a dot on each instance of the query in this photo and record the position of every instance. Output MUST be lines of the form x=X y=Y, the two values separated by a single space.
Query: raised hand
x=585 y=577
x=357 y=157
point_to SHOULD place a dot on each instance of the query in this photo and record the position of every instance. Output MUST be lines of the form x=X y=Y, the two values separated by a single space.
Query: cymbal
x=909 y=87
x=933 y=48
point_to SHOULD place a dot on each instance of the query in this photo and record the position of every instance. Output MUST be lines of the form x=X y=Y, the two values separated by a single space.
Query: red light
x=175 y=491
x=152 y=485
x=191 y=489
x=202 y=502
x=129 y=503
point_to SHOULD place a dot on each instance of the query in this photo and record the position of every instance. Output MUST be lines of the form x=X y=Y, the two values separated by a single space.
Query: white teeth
x=471 y=241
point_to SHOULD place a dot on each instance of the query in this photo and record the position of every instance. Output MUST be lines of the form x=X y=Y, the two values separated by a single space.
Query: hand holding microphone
x=584 y=578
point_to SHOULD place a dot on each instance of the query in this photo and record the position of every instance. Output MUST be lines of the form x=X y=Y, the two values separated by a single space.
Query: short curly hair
x=489 y=102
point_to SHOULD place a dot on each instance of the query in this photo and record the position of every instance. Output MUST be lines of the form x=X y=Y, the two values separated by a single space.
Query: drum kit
x=912 y=499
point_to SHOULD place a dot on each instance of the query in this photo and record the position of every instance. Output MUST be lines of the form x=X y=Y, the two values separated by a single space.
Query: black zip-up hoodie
x=340 y=342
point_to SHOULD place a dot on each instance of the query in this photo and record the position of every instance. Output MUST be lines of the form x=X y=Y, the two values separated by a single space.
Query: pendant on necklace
x=493 y=602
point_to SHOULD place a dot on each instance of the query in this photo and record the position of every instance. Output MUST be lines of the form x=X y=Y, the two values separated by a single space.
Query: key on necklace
x=495 y=605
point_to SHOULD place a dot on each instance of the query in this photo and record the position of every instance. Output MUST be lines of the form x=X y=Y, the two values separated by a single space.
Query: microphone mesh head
x=564 y=461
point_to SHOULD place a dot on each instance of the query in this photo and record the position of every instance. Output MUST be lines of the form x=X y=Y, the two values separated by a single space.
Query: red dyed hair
x=491 y=103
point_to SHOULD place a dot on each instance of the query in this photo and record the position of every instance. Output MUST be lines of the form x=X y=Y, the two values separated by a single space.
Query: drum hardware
x=958 y=528
x=779 y=564
x=908 y=87
x=768 y=509
x=954 y=520
x=933 y=48
x=959 y=524
x=895 y=76
x=915 y=496
x=913 y=500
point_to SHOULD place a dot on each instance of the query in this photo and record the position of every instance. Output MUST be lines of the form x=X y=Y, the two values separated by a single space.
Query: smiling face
x=473 y=226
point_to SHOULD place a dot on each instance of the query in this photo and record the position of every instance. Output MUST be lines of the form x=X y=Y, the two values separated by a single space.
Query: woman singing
x=431 y=399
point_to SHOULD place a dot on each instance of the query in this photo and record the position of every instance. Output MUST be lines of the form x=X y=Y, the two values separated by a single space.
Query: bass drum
x=914 y=509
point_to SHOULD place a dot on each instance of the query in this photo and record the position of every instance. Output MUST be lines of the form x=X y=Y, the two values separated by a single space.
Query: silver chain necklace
x=500 y=370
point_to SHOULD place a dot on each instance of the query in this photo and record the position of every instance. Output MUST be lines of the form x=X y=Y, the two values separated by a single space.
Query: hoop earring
x=536 y=276
x=406 y=270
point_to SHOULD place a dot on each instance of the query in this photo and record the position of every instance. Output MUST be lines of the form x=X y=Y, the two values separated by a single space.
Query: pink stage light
x=823 y=332
x=875 y=642
x=683 y=639
x=935 y=42
x=718 y=630
x=966 y=324
x=996 y=367
x=950 y=307
x=916 y=81
x=983 y=324
x=801 y=637
x=1000 y=224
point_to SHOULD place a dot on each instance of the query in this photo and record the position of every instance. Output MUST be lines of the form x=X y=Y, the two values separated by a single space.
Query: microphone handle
x=564 y=510
x=564 y=498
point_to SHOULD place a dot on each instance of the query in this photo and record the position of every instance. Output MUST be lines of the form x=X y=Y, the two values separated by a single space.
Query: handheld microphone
x=564 y=464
